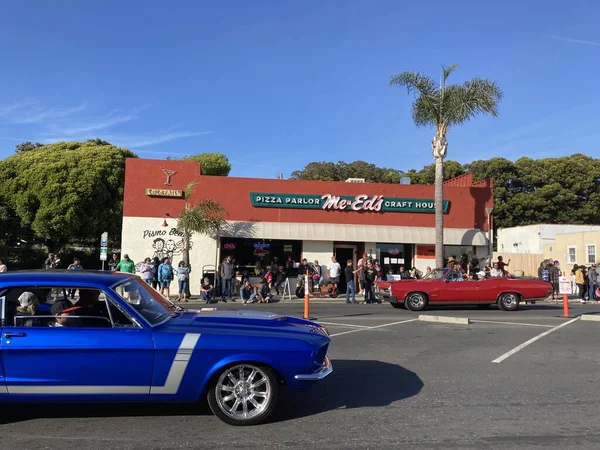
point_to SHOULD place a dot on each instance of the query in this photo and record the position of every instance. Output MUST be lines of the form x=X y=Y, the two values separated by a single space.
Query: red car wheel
x=509 y=301
x=416 y=301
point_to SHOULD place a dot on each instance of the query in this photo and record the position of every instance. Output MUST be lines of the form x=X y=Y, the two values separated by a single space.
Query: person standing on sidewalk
x=147 y=270
x=592 y=281
x=75 y=266
x=334 y=270
x=555 y=279
x=183 y=279
x=227 y=272
x=165 y=277
x=370 y=275
x=112 y=264
x=580 y=281
x=126 y=265
x=349 y=273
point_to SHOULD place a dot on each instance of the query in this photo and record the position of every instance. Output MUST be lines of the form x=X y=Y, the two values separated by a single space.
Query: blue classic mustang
x=100 y=337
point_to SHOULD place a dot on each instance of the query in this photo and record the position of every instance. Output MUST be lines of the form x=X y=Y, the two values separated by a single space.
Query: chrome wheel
x=243 y=392
x=509 y=302
x=416 y=301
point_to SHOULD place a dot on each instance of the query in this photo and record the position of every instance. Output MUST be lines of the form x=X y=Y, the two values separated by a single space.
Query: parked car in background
x=442 y=287
x=120 y=341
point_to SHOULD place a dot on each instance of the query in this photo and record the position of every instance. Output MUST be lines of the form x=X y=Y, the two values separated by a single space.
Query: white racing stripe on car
x=178 y=367
x=171 y=386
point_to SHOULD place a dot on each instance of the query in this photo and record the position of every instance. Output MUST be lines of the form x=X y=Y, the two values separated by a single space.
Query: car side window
x=38 y=306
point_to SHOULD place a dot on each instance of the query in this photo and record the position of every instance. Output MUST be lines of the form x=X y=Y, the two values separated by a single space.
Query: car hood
x=243 y=320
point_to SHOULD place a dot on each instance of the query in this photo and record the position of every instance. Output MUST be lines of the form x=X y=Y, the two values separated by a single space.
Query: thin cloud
x=139 y=141
x=28 y=114
x=5 y=110
x=574 y=41
x=98 y=125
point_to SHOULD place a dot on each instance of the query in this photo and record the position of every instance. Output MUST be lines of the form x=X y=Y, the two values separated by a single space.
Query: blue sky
x=277 y=84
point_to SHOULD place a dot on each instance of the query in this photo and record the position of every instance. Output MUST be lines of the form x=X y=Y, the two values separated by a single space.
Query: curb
x=590 y=317
x=445 y=319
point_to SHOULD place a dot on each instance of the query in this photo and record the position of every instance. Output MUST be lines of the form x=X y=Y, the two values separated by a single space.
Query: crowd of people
x=360 y=280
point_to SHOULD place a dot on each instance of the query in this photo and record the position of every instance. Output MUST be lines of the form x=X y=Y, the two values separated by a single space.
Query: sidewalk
x=341 y=299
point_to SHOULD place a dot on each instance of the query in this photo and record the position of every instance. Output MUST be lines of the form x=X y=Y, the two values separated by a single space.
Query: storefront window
x=253 y=255
x=392 y=256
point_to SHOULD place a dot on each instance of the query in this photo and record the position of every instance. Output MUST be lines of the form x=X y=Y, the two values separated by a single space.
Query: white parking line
x=512 y=323
x=532 y=340
x=372 y=328
x=343 y=325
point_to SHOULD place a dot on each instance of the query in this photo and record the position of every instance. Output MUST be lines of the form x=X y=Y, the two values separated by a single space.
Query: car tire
x=509 y=301
x=416 y=301
x=253 y=383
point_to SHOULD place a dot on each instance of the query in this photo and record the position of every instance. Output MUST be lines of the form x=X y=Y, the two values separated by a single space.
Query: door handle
x=14 y=335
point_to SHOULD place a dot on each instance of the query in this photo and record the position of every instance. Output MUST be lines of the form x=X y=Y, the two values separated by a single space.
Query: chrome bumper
x=323 y=371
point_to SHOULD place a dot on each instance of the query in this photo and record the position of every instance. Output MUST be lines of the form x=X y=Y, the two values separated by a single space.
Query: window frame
x=587 y=254
x=569 y=247
x=108 y=299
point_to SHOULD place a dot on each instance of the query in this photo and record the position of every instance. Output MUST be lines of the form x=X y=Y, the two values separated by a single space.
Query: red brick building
x=270 y=218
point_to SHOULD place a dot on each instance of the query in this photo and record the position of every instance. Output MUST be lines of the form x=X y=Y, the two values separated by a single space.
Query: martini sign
x=358 y=203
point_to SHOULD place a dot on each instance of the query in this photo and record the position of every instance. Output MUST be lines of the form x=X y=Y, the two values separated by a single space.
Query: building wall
x=535 y=238
x=580 y=242
x=466 y=210
x=146 y=237
x=321 y=251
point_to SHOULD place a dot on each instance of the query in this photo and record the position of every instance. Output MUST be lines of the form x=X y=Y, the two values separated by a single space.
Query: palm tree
x=206 y=217
x=442 y=106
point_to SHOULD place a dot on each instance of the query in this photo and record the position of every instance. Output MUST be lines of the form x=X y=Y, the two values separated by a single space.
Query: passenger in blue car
x=28 y=309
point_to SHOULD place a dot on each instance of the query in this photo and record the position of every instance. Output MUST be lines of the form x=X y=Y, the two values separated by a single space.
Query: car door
x=457 y=292
x=78 y=363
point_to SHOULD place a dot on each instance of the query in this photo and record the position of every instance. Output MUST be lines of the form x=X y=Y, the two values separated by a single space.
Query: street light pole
x=489 y=212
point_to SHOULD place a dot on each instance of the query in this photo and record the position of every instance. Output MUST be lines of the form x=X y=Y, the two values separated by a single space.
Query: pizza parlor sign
x=329 y=202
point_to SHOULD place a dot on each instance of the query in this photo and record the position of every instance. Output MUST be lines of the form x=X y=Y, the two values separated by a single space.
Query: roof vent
x=355 y=180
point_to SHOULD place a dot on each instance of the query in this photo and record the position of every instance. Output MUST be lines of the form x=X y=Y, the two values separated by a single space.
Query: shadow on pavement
x=353 y=384
x=29 y=411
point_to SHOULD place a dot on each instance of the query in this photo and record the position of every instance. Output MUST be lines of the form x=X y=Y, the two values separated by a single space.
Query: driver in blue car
x=87 y=306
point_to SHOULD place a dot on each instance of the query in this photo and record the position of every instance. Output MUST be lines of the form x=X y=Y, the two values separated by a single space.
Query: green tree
x=328 y=171
x=206 y=217
x=212 y=163
x=27 y=146
x=561 y=190
x=65 y=191
x=443 y=106
x=426 y=175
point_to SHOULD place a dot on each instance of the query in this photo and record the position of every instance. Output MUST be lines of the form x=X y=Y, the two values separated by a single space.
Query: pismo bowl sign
x=359 y=203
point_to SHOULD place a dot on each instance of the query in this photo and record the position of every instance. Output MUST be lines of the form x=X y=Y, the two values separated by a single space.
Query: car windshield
x=437 y=274
x=145 y=300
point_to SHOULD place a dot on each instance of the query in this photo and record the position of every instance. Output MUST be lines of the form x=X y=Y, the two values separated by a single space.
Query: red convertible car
x=443 y=287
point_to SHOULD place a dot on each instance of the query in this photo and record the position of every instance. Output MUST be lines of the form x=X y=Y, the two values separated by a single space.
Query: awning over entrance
x=352 y=233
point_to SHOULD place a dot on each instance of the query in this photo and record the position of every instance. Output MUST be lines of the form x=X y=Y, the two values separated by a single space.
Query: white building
x=537 y=239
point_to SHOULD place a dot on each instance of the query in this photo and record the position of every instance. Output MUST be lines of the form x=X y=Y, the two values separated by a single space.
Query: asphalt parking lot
x=398 y=383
